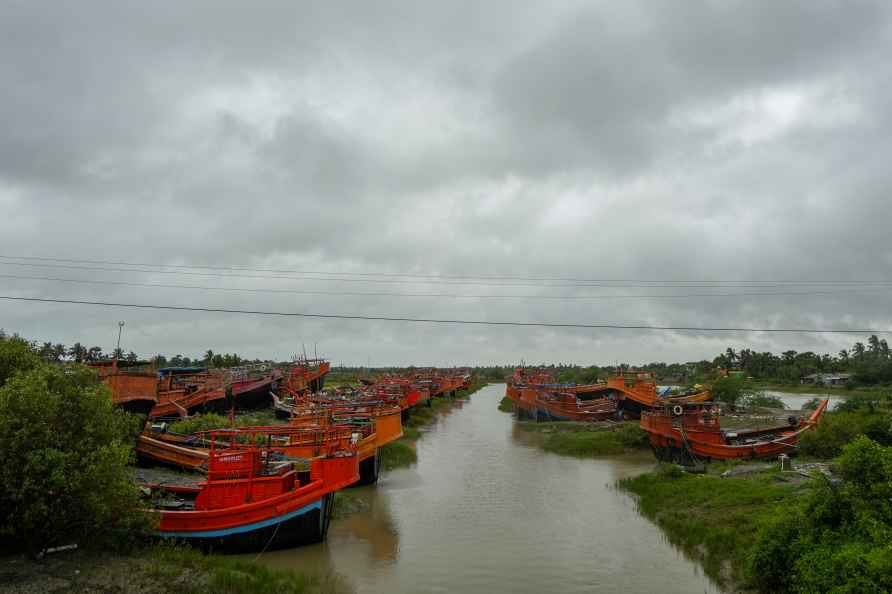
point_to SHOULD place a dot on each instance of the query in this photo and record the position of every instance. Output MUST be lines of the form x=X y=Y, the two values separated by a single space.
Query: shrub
x=16 y=356
x=837 y=538
x=65 y=451
x=730 y=390
x=836 y=429
x=762 y=400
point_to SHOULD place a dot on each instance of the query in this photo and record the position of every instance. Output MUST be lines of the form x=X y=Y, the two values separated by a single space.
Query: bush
x=730 y=390
x=65 y=451
x=837 y=429
x=16 y=356
x=837 y=538
x=762 y=400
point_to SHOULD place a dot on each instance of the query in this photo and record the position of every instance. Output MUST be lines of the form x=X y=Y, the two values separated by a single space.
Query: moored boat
x=253 y=499
x=692 y=432
x=134 y=385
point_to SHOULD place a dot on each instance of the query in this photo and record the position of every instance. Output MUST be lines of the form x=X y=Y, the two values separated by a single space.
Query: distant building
x=827 y=379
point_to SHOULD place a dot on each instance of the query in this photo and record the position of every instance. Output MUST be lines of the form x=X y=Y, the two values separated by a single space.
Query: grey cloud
x=637 y=140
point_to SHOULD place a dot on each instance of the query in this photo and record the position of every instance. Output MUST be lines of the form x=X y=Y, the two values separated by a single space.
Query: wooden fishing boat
x=185 y=390
x=306 y=375
x=253 y=499
x=372 y=425
x=691 y=432
x=134 y=385
x=631 y=393
x=563 y=406
x=180 y=451
x=253 y=386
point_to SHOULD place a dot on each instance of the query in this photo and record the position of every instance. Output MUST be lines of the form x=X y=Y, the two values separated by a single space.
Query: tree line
x=869 y=363
x=80 y=353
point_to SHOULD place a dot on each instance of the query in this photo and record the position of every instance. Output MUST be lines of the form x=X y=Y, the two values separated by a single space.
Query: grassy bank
x=714 y=520
x=397 y=454
x=506 y=405
x=582 y=441
x=158 y=569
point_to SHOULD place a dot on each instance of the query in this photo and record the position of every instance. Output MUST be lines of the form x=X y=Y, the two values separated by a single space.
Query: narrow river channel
x=485 y=511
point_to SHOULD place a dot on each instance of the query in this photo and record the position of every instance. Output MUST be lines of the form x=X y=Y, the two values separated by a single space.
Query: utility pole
x=118 y=348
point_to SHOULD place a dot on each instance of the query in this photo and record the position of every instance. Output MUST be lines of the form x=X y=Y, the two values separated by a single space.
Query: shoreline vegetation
x=822 y=525
x=160 y=568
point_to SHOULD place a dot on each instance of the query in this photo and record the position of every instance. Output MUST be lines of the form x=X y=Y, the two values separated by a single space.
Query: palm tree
x=858 y=350
x=873 y=344
x=844 y=355
x=732 y=356
x=78 y=352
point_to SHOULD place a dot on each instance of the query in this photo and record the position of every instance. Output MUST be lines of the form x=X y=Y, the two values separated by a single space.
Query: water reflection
x=482 y=511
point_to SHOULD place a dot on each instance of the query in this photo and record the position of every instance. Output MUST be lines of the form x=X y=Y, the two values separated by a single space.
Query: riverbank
x=156 y=569
x=715 y=520
x=587 y=440
x=840 y=391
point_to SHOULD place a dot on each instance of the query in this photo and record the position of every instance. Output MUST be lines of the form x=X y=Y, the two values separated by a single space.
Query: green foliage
x=836 y=539
x=16 y=356
x=715 y=519
x=762 y=400
x=65 y=451
x=174 y=564
x=586 y=444
x=397 y=454
x=730 y=390
x=837 y=429
x=812 y=404
x=506 y=405
x=211 y=421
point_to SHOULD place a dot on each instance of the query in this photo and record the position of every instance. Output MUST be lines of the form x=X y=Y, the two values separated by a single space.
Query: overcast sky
x=653 y=141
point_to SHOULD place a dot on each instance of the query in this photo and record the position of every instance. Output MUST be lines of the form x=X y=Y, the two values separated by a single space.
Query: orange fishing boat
x=184 y=390
x=630 y=394
x=134 y=385
x=692 y=432
x=253 y=499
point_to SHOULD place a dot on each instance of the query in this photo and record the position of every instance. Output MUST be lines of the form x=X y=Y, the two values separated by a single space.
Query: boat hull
x=305 y=525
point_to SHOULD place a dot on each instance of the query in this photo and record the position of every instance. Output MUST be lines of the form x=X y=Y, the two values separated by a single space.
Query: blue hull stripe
x=246 y=527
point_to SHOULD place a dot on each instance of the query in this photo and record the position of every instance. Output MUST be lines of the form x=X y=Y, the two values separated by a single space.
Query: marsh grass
x=194 y=572
x=397 y=454
x=586 y=443
x=715 y=520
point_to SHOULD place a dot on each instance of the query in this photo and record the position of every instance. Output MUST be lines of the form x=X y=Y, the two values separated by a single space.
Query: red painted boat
x=630 y=393
x=306 y=375
x=692 y=432
x=184 y=390
x=253 y=499
x=541 y=405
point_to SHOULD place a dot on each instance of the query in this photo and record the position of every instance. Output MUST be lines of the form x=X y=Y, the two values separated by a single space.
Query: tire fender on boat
x=677 y=410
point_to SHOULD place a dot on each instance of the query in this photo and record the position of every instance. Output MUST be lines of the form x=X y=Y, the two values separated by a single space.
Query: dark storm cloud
x=695 y=140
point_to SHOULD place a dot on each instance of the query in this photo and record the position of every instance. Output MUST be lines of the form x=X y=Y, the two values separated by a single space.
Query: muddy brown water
x=484 y=510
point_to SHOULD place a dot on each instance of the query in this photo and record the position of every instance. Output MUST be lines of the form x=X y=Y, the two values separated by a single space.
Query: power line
x=603 y=284
x=647 y=282
x=440 y=295
x=383 y=318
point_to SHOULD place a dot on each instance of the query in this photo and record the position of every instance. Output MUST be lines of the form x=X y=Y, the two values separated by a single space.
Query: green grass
x=209 y=421
x=586 y=444
x=187 y=570
x=506 y=405
x=713 y=519
x=347 y=502
x=397 y=454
